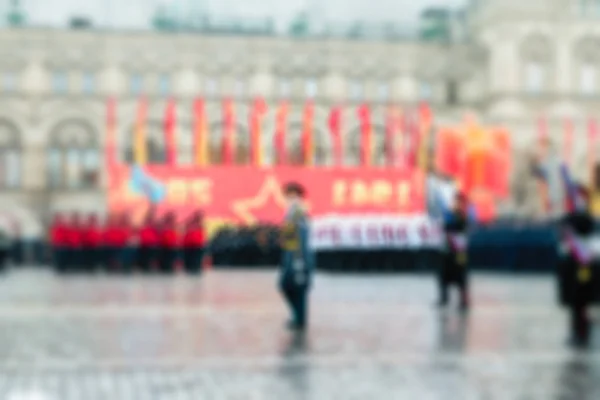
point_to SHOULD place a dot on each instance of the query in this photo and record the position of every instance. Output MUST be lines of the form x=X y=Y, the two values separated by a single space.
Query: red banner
x=243 y=195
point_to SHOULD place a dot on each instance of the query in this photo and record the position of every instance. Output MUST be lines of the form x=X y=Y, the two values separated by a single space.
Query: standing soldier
x=149 y=243
x=58 y=241
x=454 y=269
x=577 y=266
x=169 y=243
x=74 y=236
x=297 y=260
x=109 y=252
x=127 y=252
x=91 y=241
x=193 y=244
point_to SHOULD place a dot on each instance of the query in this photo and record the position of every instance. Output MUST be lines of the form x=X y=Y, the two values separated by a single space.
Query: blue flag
x=142 y=183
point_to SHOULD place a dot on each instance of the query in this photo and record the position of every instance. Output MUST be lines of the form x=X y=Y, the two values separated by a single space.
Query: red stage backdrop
x=249 y=195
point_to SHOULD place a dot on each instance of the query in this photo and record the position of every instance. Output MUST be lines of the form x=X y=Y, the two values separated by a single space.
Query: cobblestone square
x=222 y=336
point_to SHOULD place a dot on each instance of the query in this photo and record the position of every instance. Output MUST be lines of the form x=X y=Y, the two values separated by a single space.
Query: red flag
x=568 y=141
x=390 y=137
x=412 y=141
x=200 y=134
x=258 y=110
x=111 y=132
x=170 y=139
x=307 y=133
x=228 y=147
x=280 y=134
x=335 y=127
x=366 y=153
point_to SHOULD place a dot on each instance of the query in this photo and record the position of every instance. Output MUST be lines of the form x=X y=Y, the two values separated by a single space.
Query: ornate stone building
x=519 y=60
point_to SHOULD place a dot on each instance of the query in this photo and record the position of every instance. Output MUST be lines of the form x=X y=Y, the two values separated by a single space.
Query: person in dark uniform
x=454 y=270
x=149 y=243
x=297 y=259
x=125 y=235
x=110 y=240
x=91 y=242
x=169 y=244
x=58 y=243
x=74 y=236
x=193 y=244
x=577 y=265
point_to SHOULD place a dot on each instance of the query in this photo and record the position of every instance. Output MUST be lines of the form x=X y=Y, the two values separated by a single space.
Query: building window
x=211 y=87
x=383 y=91
x=135 y=84
x=587 y=79
x=534 y=78
x=73 y=168
x=88 y=83
x=284 y=89
x=73 y=160
x=164 y=84
x=10 y=157
x=452 y=93
x=240 y=88
x=357 y=91
x=10 y=167
x=9 y=82
x=425 y=91
x=59 y=82
x=311 y=88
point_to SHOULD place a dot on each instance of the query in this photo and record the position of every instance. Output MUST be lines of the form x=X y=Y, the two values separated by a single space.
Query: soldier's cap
x=294 y=188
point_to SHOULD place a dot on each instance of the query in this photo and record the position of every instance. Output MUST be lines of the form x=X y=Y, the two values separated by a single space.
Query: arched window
x=321 y=145
x=284 y=87
x=155 y=143
x=74 y=157
x=587 y=65
x=357 y=90
x=10 y=156
x=537 y=61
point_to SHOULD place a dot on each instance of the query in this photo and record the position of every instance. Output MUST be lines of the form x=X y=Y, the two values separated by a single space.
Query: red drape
x=258 y=110
x=228 y=146
x=366 y=152
x=111 y=130
x=307 y=134
x=280 y=135
x=170 y=139
x=335 y=127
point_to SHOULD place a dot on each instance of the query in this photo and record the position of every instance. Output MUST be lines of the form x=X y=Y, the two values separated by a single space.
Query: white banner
x=375 y=232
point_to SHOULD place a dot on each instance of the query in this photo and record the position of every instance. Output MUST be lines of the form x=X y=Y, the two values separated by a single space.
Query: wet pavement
x=222 y=336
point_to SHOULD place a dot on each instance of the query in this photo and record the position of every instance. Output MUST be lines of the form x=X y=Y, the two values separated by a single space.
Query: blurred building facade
x=513 y=62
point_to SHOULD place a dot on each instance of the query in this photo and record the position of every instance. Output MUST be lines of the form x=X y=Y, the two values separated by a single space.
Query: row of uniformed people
x=579 y=287
x=85 y=243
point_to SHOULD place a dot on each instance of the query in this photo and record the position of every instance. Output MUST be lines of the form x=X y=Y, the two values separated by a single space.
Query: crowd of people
x=84 y=243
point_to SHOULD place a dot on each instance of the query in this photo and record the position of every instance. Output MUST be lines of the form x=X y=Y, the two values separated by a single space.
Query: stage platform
x=222 y=336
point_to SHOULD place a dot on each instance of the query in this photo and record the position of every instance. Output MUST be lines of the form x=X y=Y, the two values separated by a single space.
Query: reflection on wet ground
x=222 y=336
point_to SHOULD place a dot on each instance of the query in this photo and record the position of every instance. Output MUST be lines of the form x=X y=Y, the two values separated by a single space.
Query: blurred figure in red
x=149 y=240
x=58 y=243
x=169 y=243
x=74 y=234
x=91 y=243
x=193 y=244
x=110 y=242
x=125 y=242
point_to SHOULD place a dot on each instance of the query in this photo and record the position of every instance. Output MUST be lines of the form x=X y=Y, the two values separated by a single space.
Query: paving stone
x=222 y=336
